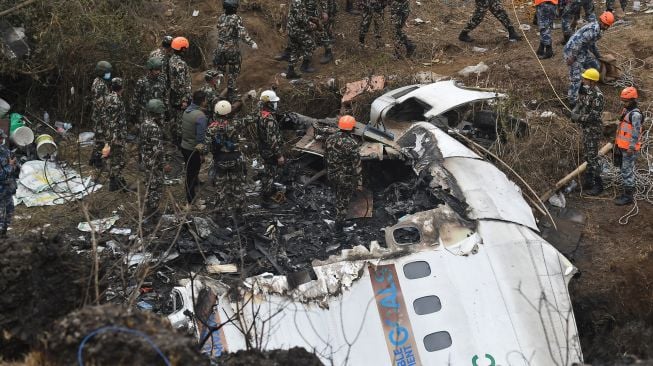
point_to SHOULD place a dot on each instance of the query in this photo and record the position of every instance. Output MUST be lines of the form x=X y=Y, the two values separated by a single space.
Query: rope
x=80 y=359
x=530 y=45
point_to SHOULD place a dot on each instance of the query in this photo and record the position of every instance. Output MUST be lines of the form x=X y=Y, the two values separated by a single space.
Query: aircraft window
x=427 y=305
x=416 y=270
x=437 y=341
x=407 y=235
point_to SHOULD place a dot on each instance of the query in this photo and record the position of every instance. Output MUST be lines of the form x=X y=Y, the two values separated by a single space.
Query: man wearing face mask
x=8 y=171
x=628 y=143
x=269 y=143
x=587 y=113
x=99 y=89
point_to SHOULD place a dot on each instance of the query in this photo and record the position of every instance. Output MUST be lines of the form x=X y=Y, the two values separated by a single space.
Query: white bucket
x=4 y=107
x=22 y=136
x=45 y=147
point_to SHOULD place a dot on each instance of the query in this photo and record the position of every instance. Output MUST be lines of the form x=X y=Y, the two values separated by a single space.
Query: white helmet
x=269 y=96
x=223 y=107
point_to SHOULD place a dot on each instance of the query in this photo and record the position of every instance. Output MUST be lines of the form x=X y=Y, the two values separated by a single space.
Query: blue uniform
x=581 y=48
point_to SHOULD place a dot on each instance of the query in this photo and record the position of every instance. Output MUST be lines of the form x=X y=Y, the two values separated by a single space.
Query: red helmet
x=179 y=43
x=346 y=123
x=629 y=93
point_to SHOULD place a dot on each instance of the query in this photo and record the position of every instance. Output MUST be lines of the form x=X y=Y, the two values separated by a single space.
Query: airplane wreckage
x=468 y=281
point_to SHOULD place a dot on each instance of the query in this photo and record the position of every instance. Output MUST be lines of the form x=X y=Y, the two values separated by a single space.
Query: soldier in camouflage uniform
x=371 y=11
x=223 y=139
x=210 y=88
x=571 y=13
x=343 y=163
x=588 y=113
x=180 y=87
x=164 y=52
x=152 y=152
x=497 y=10
x=148 y=87
x=399 y=11
x=577 y=52
x=269 y=143
x=8 y=172
x=545 y=11
x=99 y=89
x=226 y=57
x=327 y=36
x=115 y=133
x=301 y=41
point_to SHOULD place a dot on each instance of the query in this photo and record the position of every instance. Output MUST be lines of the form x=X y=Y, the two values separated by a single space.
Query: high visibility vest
x=538 y=2
x=625 y=131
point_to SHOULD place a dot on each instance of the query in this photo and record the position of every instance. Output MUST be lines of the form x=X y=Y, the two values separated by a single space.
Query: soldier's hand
x=359 y=188
x=325 y=17
x=167 y=168
x=254 y=46
x=570 y=61
x=281 y=160
x=312 y=26
x=184 y=105
x=12 y=161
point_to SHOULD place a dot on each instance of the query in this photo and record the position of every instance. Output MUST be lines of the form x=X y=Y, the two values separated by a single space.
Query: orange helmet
x=607 y=18
x=346 y=123
x=179 y=43
x=629 y=93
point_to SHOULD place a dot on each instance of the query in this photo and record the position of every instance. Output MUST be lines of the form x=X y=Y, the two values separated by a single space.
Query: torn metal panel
x=428 y=100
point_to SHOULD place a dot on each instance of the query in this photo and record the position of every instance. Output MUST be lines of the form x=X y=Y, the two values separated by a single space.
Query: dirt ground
x=612 y=297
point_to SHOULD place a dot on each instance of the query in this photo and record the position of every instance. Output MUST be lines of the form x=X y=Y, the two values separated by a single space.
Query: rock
x=481 y=67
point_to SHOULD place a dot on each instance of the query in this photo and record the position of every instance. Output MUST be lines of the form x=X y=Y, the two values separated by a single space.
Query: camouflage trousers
x=6 y=210
x=327 y=36
x=546 y=13
x=174 y=129
x=628 y=168
x=116 y=160
x=482 y=6
x=571 y=13
x=270 y=172
x=399 y=11
x=228 y=63
x=369 y=14
x=344 y=192
x=231 y=188
x=301 y=46
x=609 y=4
x=582 y=62
x=591 y=136
x=154 y=178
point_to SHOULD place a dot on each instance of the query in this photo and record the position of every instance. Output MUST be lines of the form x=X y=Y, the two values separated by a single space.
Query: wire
x=80 y=359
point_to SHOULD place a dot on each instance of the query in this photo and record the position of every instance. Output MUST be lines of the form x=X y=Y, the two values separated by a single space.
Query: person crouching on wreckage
x=343 y=163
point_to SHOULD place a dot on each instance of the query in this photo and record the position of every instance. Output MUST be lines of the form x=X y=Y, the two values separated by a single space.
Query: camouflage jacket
x=7 y=177
x=343 y=159
x=330 y=7
x=152 y=140
x=223 y=135
x=99 y=89
x=590 y=106
x=165 y=62
x=113 y=118
x=583 y=41
x=269 y=135
x=298 y=17
x=211 y=97
x=230 y=31
x=180 y=82
x=147 y=88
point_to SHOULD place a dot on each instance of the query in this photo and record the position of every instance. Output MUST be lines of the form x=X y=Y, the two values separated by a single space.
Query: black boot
x=540 y=50
x=114 y=184
x=547 y=53
x=410 y=49
x=306 y=66
x=291 y=74
x=328 y=56
x=512 y=34
x=284 y=56
x=565 y=39
x=464 y=36
x=3 y=233
x=597 y=189
x=626 y=197
x=587 y=181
